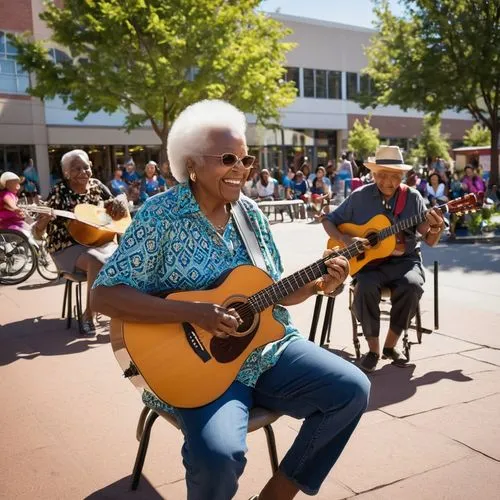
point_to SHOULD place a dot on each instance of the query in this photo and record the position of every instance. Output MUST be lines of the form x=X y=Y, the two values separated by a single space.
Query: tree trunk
x=494 y=154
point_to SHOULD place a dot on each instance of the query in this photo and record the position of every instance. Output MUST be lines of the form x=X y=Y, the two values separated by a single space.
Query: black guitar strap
x=247 y=235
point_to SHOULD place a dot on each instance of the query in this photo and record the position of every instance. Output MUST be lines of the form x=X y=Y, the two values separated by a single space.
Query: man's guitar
x=88 y=225
x=382 y=235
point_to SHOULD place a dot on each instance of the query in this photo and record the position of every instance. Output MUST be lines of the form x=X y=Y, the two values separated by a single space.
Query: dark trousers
x=405 y=277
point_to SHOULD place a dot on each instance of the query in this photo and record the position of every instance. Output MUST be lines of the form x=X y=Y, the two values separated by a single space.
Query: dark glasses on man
x=230 y=159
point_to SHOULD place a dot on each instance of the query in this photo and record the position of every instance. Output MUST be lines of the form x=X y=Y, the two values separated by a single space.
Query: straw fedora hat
x=388 y=158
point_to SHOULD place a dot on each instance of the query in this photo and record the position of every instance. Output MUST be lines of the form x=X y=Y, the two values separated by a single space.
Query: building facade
x=325 y=66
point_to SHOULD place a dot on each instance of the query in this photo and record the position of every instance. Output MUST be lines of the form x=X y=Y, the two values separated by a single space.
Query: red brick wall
x=390 y=126
x=16 y=15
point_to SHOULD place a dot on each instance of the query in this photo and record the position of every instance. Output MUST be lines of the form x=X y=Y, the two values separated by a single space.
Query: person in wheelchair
x=11 y=216
x=402 y=272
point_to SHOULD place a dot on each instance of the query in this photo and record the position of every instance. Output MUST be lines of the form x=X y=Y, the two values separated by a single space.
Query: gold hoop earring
x=192 y=176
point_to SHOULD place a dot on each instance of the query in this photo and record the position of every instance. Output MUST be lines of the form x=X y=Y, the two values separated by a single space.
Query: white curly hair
x=191 y=128
x=68 y=158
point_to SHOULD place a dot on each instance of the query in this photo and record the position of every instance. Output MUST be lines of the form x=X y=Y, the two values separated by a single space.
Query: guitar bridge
x=131 y=371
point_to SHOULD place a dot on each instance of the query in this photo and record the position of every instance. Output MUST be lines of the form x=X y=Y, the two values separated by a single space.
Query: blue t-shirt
x=299 y=188
x=131 y=177
x=118 y=186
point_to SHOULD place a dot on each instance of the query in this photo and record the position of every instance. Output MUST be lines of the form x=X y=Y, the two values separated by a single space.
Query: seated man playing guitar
x=77 y=187
x=185 y=239
x=402 y=271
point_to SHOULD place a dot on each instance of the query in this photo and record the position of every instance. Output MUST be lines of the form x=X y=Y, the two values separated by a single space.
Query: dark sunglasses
x=230 y=159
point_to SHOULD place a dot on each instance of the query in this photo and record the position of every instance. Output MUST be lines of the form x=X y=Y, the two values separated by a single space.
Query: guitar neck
x=40 y=209
x=281 y=289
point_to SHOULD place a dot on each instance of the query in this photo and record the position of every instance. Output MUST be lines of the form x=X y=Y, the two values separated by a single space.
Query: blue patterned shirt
x=171 y=245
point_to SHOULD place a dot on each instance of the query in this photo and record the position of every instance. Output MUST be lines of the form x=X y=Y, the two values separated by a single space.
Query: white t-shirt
x=439 y=193
x=265 y=191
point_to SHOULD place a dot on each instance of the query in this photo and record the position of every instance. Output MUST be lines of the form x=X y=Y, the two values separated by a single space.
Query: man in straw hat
x=402 y=272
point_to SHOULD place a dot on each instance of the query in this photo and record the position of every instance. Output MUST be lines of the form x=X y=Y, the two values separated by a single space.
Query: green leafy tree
x=363 y=139
x=440 y=54
x=152 y=58
x=431 y=142
x=477 y=136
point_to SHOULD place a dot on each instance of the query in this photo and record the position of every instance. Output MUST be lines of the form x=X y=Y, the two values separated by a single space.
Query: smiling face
x=79 y=173
x=150 y=170
x=215 y=182
x=387 y=181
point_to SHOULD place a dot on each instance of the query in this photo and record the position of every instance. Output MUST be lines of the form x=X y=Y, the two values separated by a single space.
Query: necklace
x=220 y=228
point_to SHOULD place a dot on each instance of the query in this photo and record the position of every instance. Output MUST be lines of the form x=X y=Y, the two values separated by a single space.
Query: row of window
x=327 y=84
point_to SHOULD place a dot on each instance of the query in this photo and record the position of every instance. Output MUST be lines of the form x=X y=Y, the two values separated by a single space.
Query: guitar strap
x=247 y=234
x=399 y=207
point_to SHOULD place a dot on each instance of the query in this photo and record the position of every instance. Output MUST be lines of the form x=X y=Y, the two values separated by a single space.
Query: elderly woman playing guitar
x=76 y=188
x=185 y=239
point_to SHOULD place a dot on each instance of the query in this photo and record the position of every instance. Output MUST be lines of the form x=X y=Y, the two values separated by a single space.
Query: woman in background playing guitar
x=77 y=187
x=185 y=239
x=402 y=272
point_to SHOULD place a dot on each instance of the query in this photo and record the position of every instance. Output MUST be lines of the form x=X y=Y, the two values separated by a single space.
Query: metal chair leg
x=327 y=323
x=436 y=295
x=79 y=312
x=70 y=305
x=63 y=314
x=143 y=449
x=271 y=446
x=315 y=318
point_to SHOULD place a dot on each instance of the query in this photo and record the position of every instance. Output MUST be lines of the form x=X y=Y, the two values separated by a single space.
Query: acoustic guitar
x=188 y=367
x=381 y=234
x=88 y=225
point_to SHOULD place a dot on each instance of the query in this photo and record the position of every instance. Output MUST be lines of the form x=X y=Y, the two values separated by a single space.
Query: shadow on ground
x=33 y=337
x=479 y=257
x=121 y=489
x=393 y=384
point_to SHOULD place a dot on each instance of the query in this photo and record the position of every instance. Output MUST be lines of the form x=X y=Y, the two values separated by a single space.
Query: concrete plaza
x=67 y=421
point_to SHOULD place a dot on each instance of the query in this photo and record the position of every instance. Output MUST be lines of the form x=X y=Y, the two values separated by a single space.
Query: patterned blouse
x=171 y=245
x=62 y=197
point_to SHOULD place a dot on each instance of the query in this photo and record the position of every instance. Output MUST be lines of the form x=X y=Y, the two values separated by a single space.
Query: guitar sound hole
x=227 y=350
x=373 y=239
x=245 y=313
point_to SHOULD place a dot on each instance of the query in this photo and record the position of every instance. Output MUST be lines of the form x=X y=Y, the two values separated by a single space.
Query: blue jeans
x=308 y=383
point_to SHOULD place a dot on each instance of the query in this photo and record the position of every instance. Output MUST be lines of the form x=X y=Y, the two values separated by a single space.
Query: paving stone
x=431 y=383
x=467 y=423
x=472 y=477
x=487 y=355
x=391 y=451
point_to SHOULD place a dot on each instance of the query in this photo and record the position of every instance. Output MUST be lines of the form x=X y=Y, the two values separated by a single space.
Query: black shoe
x=398 y=358
x=369 y=362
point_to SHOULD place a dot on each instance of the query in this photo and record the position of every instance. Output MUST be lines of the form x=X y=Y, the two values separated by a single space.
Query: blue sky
x=357 y=12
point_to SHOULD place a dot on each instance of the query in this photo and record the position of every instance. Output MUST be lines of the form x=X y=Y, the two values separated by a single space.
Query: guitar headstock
x=468 y=203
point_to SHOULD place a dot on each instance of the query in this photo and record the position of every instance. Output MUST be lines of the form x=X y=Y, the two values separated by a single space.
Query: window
x=320 y=84
x=293 y=75
x=59 y=56
x=365 y=85
x=308 y=83
x=352 y=85
x=13 y=79
x=334 y=85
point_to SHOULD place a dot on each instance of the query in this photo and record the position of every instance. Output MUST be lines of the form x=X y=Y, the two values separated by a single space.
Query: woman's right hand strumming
x=215 y=319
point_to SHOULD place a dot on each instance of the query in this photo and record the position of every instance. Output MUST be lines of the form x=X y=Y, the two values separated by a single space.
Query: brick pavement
x=67 y=425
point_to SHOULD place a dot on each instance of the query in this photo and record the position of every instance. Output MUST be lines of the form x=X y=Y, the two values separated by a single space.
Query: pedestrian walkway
x=67 y=425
